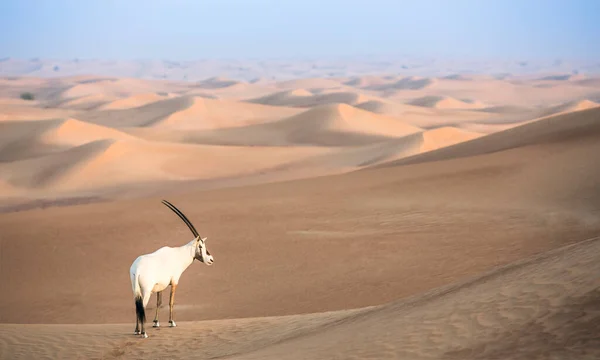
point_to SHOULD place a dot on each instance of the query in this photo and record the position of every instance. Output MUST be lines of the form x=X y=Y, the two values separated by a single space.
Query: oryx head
x=201 y=252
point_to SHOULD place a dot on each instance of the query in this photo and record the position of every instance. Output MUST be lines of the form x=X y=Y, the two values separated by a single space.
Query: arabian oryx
x=152 y=273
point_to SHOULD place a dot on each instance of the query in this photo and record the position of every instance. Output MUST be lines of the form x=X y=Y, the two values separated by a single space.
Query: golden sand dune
x=311 y=83
x=445 y=102
x=445 y=136
x=407 y=83
x=25 y=112
x=114 y=87
x=393 y=108
x=217 y=83
x=204 y=114
x=52 y=168
x=86 y=102
x=569 y=107
x=423 y=117
x=327 y=125
x=21 y=140
x=134 y=101
x=189 y=112
x=110 y=163
x=583 y=125
x=59 y=133
x=282 y=97
x=369 y=81
x=357 y=157
x=73 y=132
x=303 y=98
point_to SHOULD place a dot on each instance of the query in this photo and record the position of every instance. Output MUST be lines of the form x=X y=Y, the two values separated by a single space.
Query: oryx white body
x=154 y=272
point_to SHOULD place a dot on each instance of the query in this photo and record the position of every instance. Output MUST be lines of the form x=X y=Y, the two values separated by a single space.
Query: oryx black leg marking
x=137 y=326
x=158 y=304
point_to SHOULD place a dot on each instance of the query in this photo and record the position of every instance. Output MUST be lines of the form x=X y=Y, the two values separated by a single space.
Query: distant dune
x=133 y=101
x=216 y=83
x=445 y=102
x=311 y=83
x=407 y=83
x=326 y=125
x=304 y=98
x=189 y=112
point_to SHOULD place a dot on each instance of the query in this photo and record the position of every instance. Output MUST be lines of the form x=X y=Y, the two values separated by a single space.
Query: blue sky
x=193 y=29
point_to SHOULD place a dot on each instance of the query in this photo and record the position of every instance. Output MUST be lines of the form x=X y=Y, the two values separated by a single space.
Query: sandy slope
x=547 y=304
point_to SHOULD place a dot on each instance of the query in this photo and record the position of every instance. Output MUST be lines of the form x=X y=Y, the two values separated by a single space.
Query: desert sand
x=355 y=216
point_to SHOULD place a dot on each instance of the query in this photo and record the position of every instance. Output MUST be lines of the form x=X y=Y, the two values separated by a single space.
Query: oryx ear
x=204 y=239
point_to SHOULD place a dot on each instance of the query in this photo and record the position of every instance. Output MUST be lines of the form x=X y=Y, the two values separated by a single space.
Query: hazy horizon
x=188 y=30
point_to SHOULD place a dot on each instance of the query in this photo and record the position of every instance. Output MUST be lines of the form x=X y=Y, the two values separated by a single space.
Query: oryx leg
x=145 y=302
x=137 y=326
x=158 y=304
x=171 y=302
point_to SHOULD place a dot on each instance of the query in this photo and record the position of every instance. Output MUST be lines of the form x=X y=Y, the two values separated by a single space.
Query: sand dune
x=113 y=87
x=216 y=83
x=569 y=107
x=445 y=102
x=51 y=169
x=21 y=140
x=111 y=163
x=407 y=83
x=310 y=83
x=133 y=101
x=303 y=98
x=203 y=114
x=188 y=112
x=369 y=81
x=563 y=127
x=327 y=125
x=282 y=97
x=423 y=117
x=24 y=112
x=86 y=102
x=392 y=108
x=445 y=136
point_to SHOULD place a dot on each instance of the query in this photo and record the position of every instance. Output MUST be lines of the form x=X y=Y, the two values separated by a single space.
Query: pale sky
x=195 y=29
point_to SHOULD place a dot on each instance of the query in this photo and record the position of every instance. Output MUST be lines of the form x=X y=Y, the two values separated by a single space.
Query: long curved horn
x=183 y=217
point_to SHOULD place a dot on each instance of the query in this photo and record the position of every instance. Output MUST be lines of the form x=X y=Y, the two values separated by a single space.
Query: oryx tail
x=139 y=302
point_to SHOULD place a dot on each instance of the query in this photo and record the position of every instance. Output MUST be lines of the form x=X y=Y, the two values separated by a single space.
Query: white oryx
x=152 y=273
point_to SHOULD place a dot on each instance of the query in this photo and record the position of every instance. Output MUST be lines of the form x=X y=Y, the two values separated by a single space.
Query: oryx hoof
x=172 y=323
x=144 y=335
x=156 y=324
x=137 y=332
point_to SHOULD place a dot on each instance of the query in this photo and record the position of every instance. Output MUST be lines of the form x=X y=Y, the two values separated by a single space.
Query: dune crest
x=133 y=101
x=445 y=102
